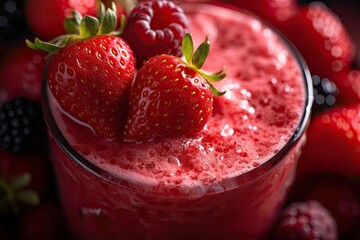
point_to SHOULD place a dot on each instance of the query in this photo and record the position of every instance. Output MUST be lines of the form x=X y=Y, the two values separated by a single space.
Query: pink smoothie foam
x=261 y=110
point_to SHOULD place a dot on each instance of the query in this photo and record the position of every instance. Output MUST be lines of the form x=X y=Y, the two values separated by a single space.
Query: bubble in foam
x=174 y=161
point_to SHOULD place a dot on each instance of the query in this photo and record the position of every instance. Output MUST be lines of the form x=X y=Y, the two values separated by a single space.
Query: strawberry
x=45 y=18
x=349 y=86
x=321 y=38
x=333 y=143
x=155 y=27
x=21 y=74
x=171 y=96
x=90 y=72
x=274 y=11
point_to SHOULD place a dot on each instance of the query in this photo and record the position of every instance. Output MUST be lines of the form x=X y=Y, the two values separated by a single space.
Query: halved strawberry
x=90 y=72
x=333 y=143
x=46 y=18
x=321 y=38
x=171 y=96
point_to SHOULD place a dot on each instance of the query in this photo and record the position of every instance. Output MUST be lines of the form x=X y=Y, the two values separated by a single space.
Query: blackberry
x=12 y=20
x=306 y=221
x=21 y=125
x=325 y=93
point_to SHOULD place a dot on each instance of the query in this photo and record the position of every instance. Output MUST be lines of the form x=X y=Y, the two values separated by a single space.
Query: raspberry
x=155 y=27
x=306 y=220
x=20 y=125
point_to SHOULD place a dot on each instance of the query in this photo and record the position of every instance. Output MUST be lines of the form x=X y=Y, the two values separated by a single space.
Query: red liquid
x=217 y=185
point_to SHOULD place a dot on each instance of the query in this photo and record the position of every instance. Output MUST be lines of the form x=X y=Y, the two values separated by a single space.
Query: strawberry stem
x=197 y=59
x=79 y=28
x=14 y=191
x=201 y=53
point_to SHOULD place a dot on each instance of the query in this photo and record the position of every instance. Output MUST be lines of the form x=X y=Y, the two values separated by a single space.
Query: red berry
x=90 y=71
x=91 y=80
x=42 y=222
x=333 y=142
x=321 y=38
x=273 y=11
x=306 y=221
x=21 y=74
x=349 y=86
x=45 y=18
x=155 y=27
x=164 y=102
x=170 y=96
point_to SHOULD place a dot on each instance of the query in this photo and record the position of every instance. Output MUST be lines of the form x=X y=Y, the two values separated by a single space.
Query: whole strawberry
x=21 y=73
x=171 y=96
x=321 y=38
x=155 y=27
x=274 y=11
x=333 y=142
x=46 y=18
x=90 y=72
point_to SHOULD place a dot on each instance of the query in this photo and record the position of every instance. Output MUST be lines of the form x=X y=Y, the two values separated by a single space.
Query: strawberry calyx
x=13 y=191
x=196 y=59
x=80 y=27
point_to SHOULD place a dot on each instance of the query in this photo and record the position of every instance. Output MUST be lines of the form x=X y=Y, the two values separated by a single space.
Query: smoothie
x=227 y=182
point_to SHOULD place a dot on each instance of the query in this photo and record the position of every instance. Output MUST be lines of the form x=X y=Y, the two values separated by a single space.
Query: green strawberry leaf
x=89 y=26
x=79 y=28
x=214 y=77
x=197 y=59
x=72 y=25
x=101 y=11
x=21 y=181
x=216 y=92
x=201 y=53
x=108 y=22
x=29 y=197
x=40 y=45
x=188 y=48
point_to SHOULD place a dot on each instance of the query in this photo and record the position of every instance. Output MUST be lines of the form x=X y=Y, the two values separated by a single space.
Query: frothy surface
x=251 y=122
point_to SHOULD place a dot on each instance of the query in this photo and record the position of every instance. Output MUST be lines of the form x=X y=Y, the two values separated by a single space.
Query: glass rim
x=227 y=183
